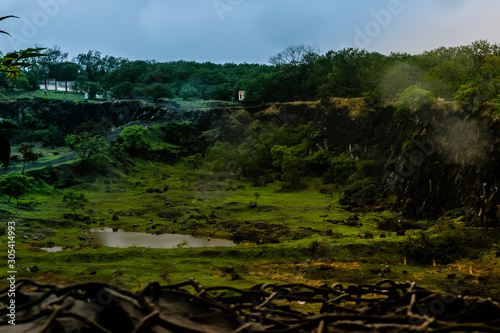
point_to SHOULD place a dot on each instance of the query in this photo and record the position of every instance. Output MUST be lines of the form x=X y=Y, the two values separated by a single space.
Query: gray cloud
x=244 y=30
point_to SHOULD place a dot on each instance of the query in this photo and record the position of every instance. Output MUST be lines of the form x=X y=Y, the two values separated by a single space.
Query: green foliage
x=75 y=201
x=496 y=106
x=187 y=91
x=291 y=164
x=414 y=98
x=194 y=160
x=28 y=154
x=11 y=63
x=447 y=246
x=341 y=168
x=158 y=90
x=399 y=76
x=93 y=89
x=223 y=157
x=318 y=163
x=134 y=138
x=87 y=146
x=34 y=119
x=123 y=90
x=15 y=185
x=54 y=136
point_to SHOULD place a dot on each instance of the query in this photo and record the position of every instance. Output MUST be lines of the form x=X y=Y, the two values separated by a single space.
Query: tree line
x=469 y=74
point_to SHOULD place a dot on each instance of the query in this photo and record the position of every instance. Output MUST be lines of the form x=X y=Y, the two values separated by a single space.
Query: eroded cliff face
x=433 y=160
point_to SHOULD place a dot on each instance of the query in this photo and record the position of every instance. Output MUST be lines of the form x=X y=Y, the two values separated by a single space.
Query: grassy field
x=51 y=94
x=312 y=249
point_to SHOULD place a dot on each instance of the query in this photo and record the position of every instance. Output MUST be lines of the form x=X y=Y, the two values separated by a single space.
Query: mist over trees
x=469 y=74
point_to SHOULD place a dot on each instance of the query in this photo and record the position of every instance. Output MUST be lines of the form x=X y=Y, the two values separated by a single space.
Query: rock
x=383 y=236
x=451 y=276
x=153 y=227
x=260 y=225
x=115 y=218
x=235 y=277
x=375 y=270
x=93 y=272
x=158 y=190
x=212 y=215
x=404 y=272
x=150 y=190
x=387 y=270
x=253 y=204
x=115 y=229
x=400 y=233
x=34 y=269
x=135 y=226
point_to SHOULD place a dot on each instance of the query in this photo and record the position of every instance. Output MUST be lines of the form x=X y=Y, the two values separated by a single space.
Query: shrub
x=414 y=98
x=75 y=201
x=134 y=138
x=187 y=91
x=15 y=185
x=447 y=246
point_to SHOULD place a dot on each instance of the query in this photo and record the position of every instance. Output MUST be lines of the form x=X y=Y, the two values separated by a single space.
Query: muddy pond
x=120 y=238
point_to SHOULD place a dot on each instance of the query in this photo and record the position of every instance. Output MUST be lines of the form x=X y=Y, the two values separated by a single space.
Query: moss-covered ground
x=303 y=235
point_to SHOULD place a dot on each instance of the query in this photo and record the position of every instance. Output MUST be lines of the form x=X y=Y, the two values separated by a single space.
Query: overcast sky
x=244 y=30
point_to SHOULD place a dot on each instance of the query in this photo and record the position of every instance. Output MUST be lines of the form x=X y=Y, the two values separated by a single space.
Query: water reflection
x=52 y=249
x=120 y=238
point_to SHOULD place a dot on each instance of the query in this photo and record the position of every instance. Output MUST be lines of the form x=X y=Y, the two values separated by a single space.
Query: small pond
x=52 y=249
x=120 y=238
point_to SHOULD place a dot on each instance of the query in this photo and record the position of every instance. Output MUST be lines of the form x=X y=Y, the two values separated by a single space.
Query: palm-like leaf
x=3 y=18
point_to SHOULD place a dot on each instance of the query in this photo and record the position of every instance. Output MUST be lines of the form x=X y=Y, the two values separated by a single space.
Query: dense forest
x=468 y=74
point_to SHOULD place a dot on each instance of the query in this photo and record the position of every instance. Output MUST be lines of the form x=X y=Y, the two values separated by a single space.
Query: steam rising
x=462 y=141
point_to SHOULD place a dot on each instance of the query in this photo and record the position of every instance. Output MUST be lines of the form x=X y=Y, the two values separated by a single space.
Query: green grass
x=311 y=258
x=199 y=103
x=51 y=94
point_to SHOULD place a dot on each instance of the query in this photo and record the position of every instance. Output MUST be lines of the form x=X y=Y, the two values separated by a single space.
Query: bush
x=134 y=138
x=223 y=157
x=123 y=90
x=447 y=246
x=414 y=98
x=187 y=91
x=75 y=201
x=53 y=136
x=15 y=185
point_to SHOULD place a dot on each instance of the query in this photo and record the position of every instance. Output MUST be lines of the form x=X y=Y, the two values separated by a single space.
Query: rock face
x=433 y=160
